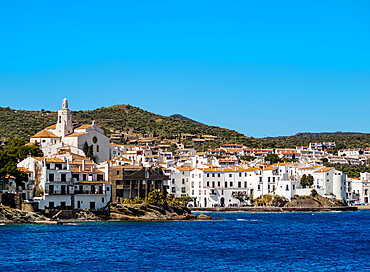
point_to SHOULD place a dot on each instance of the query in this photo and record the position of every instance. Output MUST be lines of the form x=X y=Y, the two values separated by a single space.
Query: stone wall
x=11 y=200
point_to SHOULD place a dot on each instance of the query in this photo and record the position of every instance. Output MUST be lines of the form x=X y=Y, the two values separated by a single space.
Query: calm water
x=256 y=242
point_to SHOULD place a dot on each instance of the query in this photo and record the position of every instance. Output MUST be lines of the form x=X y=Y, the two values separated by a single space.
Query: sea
x=330 y=241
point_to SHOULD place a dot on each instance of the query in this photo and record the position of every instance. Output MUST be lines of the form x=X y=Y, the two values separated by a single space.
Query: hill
x=319 y=134
x=23 y=124
x=181 y=117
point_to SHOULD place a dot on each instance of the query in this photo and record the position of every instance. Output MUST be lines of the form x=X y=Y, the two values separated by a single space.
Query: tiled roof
x=76 y=134
x=52 y=127
x=44 y=134
x=325 y=169
x=24 y=170
x=49 y=159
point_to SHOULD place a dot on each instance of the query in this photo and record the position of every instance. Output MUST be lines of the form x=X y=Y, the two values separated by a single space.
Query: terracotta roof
x=52 y=127
x=84 y=126
x=325 y=169
x=251 y=169
x=184 y=169
x=49 y=159
x=30 y=144
x=24 y=170
x=270 y=167
x=309 y=167
x=76 y=134
x=44 y=134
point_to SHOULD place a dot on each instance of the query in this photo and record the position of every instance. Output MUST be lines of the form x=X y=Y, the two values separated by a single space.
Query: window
x=268 y=179
x=117 y=172
x=173 y=189
x=192 y=184
x=200 y=192
x=230 y=175
x=95 y=140
x=287 y=188
x=173 y=181
x=97 y=148
x=213 y=175
x=207 y=175
x=225 y=184
x=183 y=190
x=273 y=179
x=207 y=183
x=51 y=177
x=240 y=174
x=231 y=184
x=245 y=184
x=192 y=192
x=259 y=187
x=102 y=199
x=239 y=184
x=192 y=175
x=219 y=183
x=219 y=175
x=183 y=181
x=213 y=184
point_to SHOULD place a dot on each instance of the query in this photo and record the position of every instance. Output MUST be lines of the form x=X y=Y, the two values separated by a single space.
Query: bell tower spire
x=64 y=122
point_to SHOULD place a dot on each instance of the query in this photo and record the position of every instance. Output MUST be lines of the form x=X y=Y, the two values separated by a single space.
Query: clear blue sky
x=263 y=68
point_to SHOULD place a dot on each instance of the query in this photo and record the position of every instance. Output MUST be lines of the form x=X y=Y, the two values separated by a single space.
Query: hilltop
x=181 y=117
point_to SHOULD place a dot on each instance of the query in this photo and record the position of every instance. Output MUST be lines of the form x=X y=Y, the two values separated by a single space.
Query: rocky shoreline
x=10 y=216
x=116 y=212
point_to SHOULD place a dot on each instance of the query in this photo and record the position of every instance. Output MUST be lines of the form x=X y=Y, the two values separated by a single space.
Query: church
x=66 y=135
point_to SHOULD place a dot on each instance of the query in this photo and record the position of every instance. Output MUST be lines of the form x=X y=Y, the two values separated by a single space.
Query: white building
x=75 y=136
x=64 y=184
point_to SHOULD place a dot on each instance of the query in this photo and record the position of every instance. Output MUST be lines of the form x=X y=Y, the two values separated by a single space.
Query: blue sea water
x=255 y=242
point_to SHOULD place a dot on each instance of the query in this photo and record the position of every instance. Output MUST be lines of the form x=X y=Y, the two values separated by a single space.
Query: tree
x=273 y=158
x=14 y=152
x=184 y=200
x=85 y=148
x=90 y=152
x=155 y=197
x=241 y=196
x=307 y=181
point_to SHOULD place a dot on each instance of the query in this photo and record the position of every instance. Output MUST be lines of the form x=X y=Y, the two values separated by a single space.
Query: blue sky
x=263 y=68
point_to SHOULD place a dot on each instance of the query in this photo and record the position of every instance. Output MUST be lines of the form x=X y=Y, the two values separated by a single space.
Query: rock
x=203 y=217
x=147 y=212
x=10 y=215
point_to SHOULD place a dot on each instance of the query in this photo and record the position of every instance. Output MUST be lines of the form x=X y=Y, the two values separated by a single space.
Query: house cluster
x=65 y=178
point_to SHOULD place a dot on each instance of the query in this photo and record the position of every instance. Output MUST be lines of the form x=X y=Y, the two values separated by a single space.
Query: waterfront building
x=130 y=181
x=63 y=184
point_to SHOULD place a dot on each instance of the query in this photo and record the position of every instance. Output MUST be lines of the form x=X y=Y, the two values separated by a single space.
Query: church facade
x=72 y=136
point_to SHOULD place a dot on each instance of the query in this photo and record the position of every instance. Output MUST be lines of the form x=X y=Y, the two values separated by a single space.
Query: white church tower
x=64 y=124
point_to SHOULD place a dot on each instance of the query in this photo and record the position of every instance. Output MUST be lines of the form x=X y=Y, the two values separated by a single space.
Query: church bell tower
x=64 y=124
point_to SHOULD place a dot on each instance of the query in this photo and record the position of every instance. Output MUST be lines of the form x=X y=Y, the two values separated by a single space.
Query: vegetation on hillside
x=23 y=124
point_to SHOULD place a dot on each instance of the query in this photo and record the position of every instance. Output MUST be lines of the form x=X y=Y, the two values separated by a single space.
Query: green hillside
x=23 y=124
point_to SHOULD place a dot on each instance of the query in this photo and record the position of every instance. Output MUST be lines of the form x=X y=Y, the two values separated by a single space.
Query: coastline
x=275 y=209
